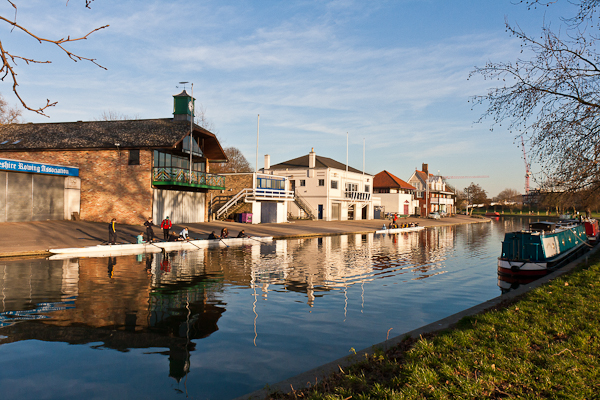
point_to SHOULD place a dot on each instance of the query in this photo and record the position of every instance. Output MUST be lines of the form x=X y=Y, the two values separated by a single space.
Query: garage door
x=29 y=197
x=180 y=206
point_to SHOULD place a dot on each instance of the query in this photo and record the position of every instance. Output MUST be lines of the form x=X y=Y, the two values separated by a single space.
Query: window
x=321 y=182
x=367 y=188
x=195 y=148
x=166 y=160
x=351 y=187
x=268 y=183
x=302 y=182
x=334 y=184
x=134 y=157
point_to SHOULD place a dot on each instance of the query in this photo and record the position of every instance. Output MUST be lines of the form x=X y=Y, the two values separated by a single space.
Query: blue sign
x=23 y=166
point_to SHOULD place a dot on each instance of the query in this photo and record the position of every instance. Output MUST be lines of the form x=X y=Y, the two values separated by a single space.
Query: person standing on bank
x=149 y=231
x=166 y=227
x=112 y=231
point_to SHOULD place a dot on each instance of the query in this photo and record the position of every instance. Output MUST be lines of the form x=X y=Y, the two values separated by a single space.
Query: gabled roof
x=421 y=175
x=320 y=162
x=141 y=133
x=387 y=180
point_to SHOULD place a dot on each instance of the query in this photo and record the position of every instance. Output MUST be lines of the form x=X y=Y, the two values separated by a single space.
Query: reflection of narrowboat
x=543 y=248
x=508 y=283
x=592 y=231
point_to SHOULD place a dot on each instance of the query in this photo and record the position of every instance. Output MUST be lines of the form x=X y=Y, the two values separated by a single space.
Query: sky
x=391 y=78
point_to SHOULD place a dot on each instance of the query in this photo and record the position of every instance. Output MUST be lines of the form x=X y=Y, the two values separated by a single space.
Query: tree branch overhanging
x=9 y=58
x=552 y=99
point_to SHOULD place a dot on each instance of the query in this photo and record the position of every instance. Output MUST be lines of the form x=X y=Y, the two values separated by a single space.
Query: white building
x=326 y=189
x=257 y=197
x=397 y=196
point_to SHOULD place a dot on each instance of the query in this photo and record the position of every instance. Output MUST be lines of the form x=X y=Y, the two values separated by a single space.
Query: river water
x=219 y=323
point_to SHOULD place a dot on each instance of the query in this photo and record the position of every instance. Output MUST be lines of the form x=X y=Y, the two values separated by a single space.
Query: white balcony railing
x=272 y=194
x=357 y=196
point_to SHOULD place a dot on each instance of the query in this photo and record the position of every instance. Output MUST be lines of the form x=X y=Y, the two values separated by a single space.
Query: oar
x=162 y=249
x=158 y=247
x=193 y=244
x=251 y=238
x=223 y=242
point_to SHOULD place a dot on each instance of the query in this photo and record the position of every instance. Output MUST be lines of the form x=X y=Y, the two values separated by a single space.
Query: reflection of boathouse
x=113 y=302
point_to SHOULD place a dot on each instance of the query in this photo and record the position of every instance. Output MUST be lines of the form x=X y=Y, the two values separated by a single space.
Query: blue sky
x=394 y=73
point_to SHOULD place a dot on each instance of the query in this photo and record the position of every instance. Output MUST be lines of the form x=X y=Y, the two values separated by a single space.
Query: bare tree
x=111 y=115
x=8 y=114
x=10 y=58
x=237 y=162
x=474 y=195
x=552 y=99
x=202 y=120
x=508 y=196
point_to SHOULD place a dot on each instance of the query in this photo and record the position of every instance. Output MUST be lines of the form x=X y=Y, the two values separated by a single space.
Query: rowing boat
x=129 y=249
x=401 y=230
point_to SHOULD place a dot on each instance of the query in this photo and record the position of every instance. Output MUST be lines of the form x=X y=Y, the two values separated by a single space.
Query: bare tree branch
x=9 y=59
x=553 y=99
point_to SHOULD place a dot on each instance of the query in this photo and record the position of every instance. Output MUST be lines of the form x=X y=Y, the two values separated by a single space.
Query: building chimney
x=425 y=169
x=267 y=162
x=312 y=158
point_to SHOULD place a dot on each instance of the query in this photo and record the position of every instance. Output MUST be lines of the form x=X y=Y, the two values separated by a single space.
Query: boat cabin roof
x=543 y=226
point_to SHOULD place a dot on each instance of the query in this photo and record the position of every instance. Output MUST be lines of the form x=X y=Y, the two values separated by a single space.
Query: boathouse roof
x=387 y=180
x=320 y=162
x=96 y=135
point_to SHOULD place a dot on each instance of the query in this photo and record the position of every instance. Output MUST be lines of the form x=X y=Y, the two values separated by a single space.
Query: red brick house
x=431 y=192
x=128 y=169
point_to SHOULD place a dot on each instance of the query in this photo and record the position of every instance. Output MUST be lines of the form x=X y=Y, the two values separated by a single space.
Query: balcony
x=357 y=196
x=271 y=194
x=181 y=177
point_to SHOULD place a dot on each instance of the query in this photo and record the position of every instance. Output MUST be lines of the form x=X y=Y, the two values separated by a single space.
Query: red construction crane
x=465 y=177
x=527 y=171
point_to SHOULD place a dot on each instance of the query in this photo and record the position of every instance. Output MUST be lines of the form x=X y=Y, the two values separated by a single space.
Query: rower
x=183 y=235
x=224 y=233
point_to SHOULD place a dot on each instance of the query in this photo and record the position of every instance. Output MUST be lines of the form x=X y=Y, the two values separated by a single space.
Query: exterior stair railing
x=235 y=200
x=252 y=194
x=304 y=206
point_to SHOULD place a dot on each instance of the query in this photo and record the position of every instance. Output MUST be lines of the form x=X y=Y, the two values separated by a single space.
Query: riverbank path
x=18 y=239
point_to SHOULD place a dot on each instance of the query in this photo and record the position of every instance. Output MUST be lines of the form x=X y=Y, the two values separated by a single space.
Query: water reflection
x=304 y=299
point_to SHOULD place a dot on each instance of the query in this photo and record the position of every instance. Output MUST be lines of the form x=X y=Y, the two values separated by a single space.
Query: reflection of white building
x=326 y=189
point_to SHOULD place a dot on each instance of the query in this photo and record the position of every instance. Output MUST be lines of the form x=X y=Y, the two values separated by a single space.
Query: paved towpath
x=35 y=238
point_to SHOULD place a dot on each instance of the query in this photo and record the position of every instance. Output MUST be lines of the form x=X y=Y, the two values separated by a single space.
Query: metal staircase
x=304 y=206
x=246 y=195
x=234 y=204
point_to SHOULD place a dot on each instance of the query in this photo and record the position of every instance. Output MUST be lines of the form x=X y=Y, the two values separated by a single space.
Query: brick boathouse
x=128 y=169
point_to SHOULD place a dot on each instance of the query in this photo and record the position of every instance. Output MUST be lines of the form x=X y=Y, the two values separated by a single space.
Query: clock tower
x=183 y=106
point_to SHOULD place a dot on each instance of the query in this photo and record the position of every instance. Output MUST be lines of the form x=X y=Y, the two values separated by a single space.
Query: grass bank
x=544 y=345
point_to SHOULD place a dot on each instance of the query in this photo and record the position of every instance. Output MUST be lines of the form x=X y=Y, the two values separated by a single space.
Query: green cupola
x=181 y=106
